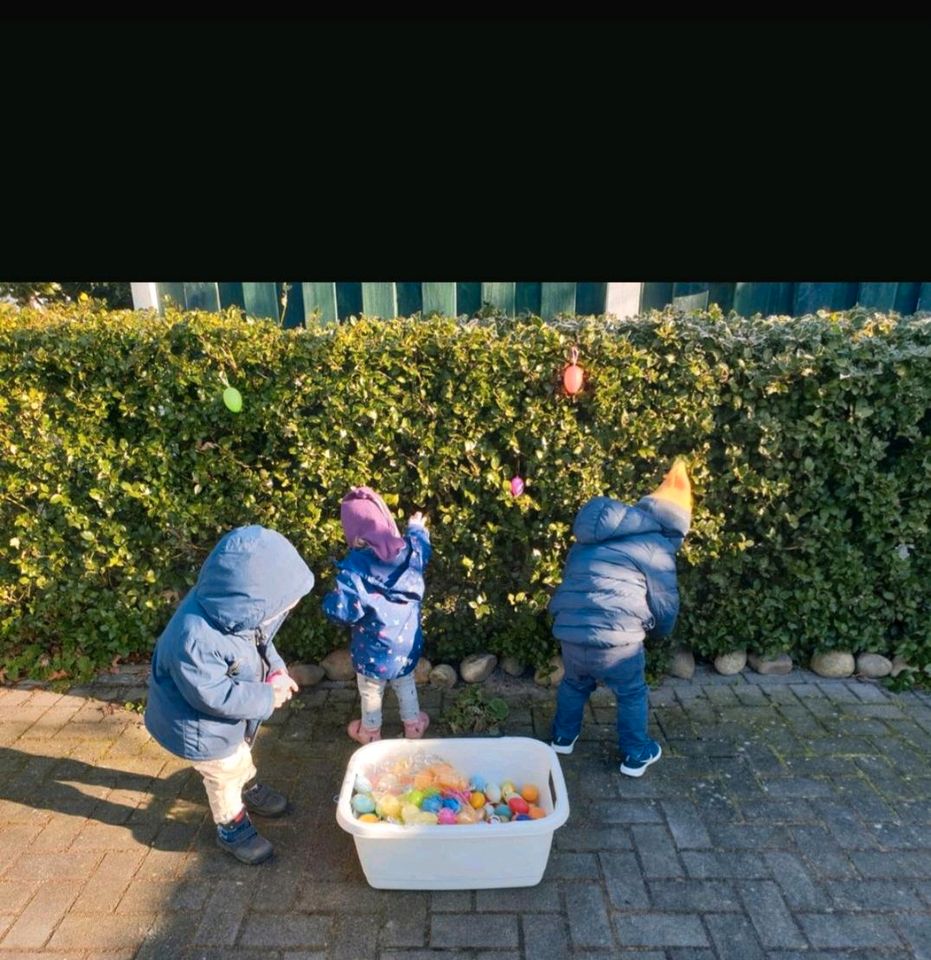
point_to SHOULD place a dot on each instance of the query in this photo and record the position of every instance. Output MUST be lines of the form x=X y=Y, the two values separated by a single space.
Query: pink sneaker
x=415 y=729
x=362 y=734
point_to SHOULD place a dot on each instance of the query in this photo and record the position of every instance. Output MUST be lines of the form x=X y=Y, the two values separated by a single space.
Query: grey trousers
x=372 y=692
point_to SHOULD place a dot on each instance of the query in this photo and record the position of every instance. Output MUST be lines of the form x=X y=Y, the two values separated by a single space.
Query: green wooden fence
x=330 y=301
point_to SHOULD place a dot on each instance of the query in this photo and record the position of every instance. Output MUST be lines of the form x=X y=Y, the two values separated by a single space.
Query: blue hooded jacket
x=380 y=602
x=619 y=579
x=207 y=690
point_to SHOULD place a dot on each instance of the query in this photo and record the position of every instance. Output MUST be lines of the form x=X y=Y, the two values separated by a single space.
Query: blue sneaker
x=564 y=745
x=634 y=766
x=243 y=841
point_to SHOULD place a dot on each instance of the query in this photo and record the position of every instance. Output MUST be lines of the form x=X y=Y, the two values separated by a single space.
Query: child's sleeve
x=202 y=678
x=421 y=537
x=343 y=604
x=275 y=661
x=662 y=591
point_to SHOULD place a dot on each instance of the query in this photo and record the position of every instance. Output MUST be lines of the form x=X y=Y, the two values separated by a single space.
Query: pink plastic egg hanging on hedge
x=517 y=486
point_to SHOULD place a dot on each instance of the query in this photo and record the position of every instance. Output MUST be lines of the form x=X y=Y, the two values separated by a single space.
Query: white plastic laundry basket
x=460 y=856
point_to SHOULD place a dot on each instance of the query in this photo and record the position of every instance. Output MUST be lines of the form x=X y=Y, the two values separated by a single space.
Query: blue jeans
x=626 y=680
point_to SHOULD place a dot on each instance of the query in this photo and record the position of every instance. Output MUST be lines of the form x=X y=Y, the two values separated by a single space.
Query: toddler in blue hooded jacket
x=619 y=582
x=379 y=588
x=216 y=675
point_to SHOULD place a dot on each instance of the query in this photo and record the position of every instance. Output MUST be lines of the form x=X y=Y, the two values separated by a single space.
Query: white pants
x=372 y=692
x=224 y=780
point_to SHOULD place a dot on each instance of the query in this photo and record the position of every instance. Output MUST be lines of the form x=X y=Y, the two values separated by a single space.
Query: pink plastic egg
x=446 y=816
x=517 y=486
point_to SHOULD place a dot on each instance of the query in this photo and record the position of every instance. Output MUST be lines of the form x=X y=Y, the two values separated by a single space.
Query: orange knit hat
x=675 y=487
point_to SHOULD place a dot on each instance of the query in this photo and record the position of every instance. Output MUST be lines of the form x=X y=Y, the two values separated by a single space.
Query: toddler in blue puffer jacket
x=216 y=675
x=619 y=582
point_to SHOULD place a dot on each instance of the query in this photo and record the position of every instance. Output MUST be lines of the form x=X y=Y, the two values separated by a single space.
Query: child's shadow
x=72 y=787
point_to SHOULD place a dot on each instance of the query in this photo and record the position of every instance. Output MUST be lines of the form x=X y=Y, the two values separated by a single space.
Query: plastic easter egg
x=522 y=816
x=493 y=792
x=415 y=797
x=477 y=799
x=452 y=803
x=362 y=784
x=427 y=817
x=388 y=806
x=572 y=379
x=518 y=804
x=530 y=793
x=494 y=819
x=503 y=810
x=489 y=810
x=477 y=783
x=410 y=813
x=369 y=818
x=233 y=399
x=363 y=803
x=537 y=813
x=507 y=787
x=446 y=816
x=517 y=486
x=431 y=804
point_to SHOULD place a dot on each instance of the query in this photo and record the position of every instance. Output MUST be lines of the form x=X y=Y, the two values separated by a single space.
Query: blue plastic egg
x=452 y=803
x=522 y=816
x=431 y=804
x=477 y=783
x=363 y=803
x=503 y=811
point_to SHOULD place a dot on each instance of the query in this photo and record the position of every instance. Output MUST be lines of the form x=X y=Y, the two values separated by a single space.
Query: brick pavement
x=789 y=818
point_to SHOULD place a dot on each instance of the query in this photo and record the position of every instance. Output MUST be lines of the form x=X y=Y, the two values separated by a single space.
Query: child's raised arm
x=202 y=678
x=417 y=529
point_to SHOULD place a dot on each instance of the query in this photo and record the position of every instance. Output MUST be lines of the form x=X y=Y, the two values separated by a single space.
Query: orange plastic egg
x=572 y=379
x=477 y=799
x=530 y=793
x=537 y=813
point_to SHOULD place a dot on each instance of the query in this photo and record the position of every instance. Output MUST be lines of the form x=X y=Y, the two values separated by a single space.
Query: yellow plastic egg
x=477 y=799
x=369 y=818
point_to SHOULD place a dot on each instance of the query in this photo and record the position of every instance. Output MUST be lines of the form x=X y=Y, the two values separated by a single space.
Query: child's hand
x=417 y=519
x=283 y=688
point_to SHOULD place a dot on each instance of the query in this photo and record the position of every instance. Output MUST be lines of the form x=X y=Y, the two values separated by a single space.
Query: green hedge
x=807 y=439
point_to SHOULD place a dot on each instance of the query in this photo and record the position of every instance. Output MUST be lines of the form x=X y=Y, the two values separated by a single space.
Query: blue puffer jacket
x=207 y=692
x=381 y=603
x=620 y=576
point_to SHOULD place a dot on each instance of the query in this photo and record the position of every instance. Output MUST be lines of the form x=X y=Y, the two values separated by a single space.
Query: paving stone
x=623 y=881
x=686 y=825
x=657 y=852
x=546 y=937
x=99 y=932
x=847 y=931
x=33 y=927
x=694 y=896
x=659 y=930
x=916 y=931
x=733 y=936
x=224 y=913
x=768 y=913
x=795 y=881
x=474 y=930
x=274 y=930
x=901 y=863
x=589 y=925
x=713 y=865
x=543 y=898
